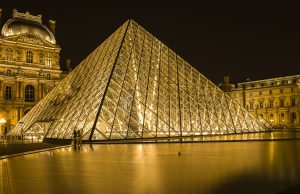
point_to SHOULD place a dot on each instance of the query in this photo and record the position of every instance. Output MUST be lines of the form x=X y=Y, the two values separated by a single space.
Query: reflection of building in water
x=29 y=65
x=276 y=100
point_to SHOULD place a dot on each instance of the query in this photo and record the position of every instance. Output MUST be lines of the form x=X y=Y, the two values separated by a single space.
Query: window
x=260 y=92
x=251 y=105
x=271 y=103
x=261 y=104
x=293 y=89
x=293 y=101
x=8 y=93
x=281 y=102
x=29 y=56
x=48 y=59
x=8 y=73
x=293 y=117
x=48 y=76
x=9 y=54
x=270 y=91
x=29 y=93
x=281 y=90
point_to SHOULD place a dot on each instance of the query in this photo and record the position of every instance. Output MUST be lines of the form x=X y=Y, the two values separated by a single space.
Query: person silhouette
x=79 y=134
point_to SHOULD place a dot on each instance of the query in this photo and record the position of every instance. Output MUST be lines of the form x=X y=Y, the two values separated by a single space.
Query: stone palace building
x=29 y=65
x=277 y=100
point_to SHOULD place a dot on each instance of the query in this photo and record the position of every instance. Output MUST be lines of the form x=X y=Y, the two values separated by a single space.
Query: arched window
x=251 y=105
x=8 y=72
x=8 y=93
x=261 y=104
x=9 y=54
x=293 y=101
x=29 y=56
x=293 y=117
x=48 y=59
x=29 y=93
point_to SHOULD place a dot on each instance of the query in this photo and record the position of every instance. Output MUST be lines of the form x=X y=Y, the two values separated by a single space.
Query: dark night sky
x=248 y=40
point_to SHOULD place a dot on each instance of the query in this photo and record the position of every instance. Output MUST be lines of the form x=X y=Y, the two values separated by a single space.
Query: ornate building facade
x=277 y=100
x=29 y=65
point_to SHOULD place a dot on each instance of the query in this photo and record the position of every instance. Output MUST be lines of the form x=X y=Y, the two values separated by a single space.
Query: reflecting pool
x=222 y=167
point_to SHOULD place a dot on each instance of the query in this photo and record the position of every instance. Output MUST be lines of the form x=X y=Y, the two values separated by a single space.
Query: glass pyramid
x=133 y=86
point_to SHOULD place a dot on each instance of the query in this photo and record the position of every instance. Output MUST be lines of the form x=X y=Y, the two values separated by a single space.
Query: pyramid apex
x=130 y=20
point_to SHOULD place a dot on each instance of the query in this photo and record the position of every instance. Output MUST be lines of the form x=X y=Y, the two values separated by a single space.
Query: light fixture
x=2 y=120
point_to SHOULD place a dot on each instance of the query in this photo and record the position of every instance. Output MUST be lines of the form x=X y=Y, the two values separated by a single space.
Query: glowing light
x=2 y=120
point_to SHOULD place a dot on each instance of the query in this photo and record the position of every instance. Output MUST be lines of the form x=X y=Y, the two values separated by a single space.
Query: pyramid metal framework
x=134 y=87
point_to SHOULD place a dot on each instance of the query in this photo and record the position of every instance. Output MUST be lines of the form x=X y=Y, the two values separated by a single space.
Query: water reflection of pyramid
x=133 y=86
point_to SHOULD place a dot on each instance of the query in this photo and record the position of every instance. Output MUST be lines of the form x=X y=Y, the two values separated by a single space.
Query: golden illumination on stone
x=29 y=65
x=276 y=99
x=24 y=23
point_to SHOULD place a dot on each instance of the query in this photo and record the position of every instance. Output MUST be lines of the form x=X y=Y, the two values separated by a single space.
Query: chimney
x=68 y=65
x=226 y=80
x=52 y=26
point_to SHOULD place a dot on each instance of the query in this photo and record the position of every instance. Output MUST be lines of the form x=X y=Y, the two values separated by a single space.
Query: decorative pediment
x=29 y=38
